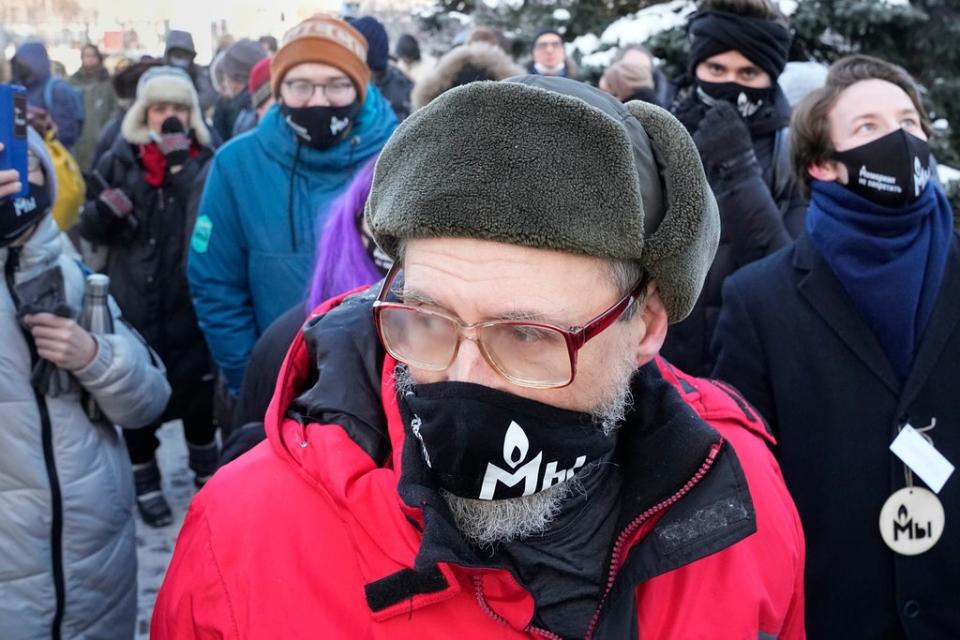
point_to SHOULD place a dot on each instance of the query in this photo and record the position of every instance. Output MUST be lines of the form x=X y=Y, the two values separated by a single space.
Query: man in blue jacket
x=253 y=244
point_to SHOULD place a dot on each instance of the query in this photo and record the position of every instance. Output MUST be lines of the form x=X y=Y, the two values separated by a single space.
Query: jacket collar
x=824 y=292
x=40 y=252
x=943 y=323
x=821 y=288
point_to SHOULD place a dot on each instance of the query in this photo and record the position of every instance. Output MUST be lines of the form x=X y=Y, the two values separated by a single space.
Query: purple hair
x=342 y=260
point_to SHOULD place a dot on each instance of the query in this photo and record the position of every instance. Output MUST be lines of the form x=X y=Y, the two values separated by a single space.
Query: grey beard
x=486 y=523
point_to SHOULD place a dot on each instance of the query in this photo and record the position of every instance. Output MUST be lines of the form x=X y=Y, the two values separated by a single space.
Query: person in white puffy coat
x=68 y=566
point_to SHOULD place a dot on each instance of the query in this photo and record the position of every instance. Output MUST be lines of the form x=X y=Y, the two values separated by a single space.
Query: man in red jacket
x=487 y=444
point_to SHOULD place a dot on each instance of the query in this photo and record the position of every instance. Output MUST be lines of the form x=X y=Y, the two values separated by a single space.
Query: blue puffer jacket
x=252 y=249
x=65 y=107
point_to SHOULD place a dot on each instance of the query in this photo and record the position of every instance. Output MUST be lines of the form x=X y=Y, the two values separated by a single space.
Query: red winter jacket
x=306 y=536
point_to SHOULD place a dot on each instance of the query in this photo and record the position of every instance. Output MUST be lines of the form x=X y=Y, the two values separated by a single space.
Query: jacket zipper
x=618 y=550
x=478 y=586
x=618 y=547
x=56 y=499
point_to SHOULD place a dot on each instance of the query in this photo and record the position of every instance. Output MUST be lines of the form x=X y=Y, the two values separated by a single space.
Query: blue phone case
x=13 y=131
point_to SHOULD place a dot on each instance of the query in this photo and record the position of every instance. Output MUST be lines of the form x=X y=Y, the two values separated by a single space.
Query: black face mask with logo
x=747 y=100
x=485 y=444
x=891 y=171
x=17 y=215
x=321 y=127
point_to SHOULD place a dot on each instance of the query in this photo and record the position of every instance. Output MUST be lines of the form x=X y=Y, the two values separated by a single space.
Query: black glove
x=116 y=203
x=46 y=293
x=724 y=142
x=174 y=142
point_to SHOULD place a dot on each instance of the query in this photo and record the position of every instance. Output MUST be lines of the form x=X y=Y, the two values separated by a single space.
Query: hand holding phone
x=10 y=183
x=13 y=140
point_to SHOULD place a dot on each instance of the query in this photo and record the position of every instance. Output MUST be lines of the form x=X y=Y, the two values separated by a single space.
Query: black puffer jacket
x=760 y=212
x=146 y=268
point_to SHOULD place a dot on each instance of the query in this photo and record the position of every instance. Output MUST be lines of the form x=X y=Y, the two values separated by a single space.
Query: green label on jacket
x=201 y=234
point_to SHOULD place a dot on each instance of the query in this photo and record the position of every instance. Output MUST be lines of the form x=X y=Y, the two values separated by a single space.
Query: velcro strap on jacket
x=402 y=585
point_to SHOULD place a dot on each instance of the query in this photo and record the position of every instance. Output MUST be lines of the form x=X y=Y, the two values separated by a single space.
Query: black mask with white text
x=747 y=100
x=321 y=127
x=481 y=443
x=891 y=171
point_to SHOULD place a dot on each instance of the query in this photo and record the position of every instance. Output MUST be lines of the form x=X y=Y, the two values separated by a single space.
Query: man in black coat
x=140 y=215
x=738 y=118
x=847 y=337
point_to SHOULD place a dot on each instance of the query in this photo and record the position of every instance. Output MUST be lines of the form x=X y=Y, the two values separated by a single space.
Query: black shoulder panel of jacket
x=346 y=359
x=403 y=585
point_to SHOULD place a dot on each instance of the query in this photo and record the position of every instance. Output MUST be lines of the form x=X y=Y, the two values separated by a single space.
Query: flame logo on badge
x=902 y=514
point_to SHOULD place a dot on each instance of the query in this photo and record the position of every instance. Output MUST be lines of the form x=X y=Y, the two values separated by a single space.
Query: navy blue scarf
x=890 y=261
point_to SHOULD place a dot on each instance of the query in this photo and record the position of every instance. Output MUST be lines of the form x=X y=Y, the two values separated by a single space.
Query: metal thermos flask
x=96 y=318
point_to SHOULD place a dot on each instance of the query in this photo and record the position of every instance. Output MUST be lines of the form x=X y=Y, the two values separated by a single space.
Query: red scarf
x=155 y=163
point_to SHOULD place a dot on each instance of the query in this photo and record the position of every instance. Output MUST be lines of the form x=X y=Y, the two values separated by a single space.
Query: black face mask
x=891 y=171
x=485 y=444
x=17 y=215
x=747 y=100
x=321 y=127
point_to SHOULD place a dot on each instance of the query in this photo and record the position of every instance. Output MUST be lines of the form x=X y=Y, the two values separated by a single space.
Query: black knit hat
x=554 y=164
x=544 y=31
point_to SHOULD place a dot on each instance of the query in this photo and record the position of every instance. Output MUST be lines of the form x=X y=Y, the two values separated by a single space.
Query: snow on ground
x=155 y=546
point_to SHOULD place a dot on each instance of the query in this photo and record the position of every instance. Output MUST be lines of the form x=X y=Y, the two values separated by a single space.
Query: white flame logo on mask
x=516 y=446
x=747 y=108
x=921 y=176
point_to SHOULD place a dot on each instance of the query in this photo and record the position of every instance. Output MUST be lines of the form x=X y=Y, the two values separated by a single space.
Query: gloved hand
x=724 y=142
x=114 y=202
x=174 y=142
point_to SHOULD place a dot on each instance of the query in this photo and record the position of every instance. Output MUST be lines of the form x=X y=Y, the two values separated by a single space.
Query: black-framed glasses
x=338 y=92
x=529 y=354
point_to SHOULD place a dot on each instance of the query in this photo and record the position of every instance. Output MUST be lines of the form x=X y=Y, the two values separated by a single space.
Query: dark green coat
x=100 y=103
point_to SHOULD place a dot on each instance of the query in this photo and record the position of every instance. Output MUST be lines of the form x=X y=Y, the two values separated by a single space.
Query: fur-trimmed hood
x=476 y=61
x=163 y=84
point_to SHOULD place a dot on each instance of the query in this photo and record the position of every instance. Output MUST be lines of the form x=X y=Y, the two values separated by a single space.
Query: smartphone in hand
x=13 y=132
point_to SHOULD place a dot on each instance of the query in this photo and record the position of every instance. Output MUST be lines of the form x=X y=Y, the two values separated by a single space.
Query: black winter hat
x=378 y=51
x=555 y=164
x=544 y=31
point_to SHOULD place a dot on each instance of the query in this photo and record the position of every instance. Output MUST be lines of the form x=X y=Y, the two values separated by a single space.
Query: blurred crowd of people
x=784 y=218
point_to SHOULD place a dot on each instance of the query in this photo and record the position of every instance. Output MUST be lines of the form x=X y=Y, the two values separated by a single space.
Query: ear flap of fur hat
x=163 y=84
x=679 y=253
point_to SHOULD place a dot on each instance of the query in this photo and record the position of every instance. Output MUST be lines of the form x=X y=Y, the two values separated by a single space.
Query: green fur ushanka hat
x=551 y=163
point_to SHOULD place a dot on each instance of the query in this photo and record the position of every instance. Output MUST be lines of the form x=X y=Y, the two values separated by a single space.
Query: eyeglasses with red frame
x=529 y=354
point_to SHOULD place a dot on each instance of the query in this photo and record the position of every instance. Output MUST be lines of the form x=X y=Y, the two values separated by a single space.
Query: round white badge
x=912 y=521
